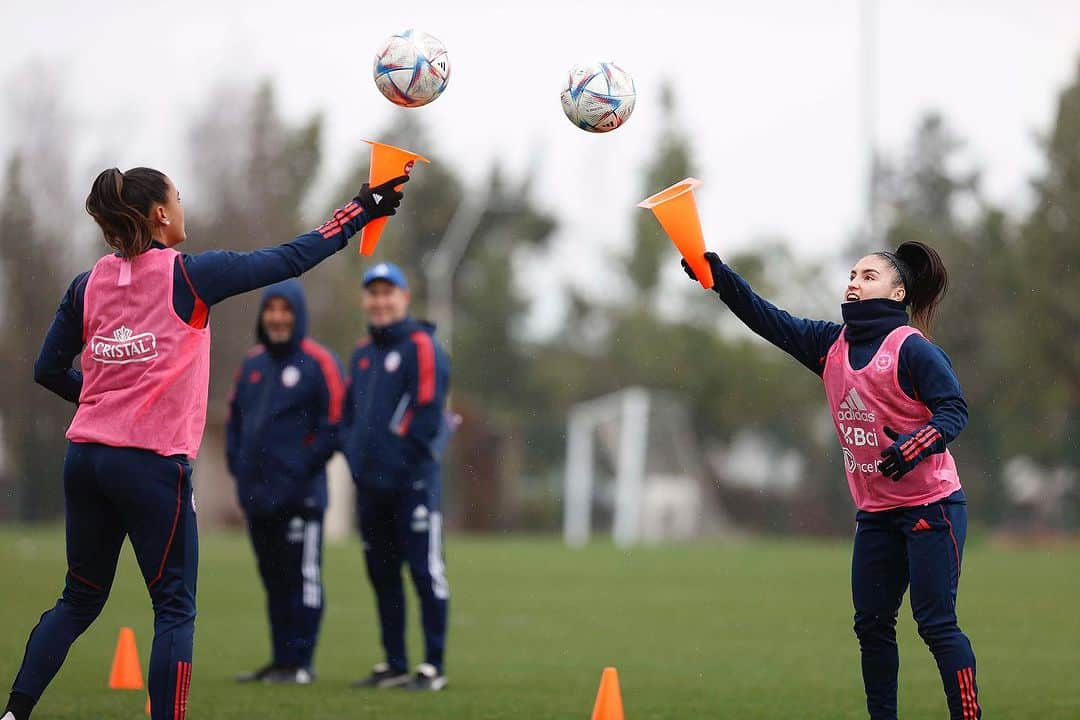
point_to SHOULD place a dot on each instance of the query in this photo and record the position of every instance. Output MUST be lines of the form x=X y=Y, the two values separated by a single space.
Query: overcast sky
x=768 y=90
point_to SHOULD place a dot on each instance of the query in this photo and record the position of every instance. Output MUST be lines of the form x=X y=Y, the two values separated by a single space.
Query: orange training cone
x=126 y=673
x=677 y=212
x=387 y=163
x=608 y=698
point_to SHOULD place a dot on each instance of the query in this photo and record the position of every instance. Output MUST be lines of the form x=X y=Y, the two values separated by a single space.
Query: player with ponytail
x=896 y=404
x=139 y=319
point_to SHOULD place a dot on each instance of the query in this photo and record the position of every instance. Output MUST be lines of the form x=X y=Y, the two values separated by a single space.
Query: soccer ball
x=411 y=68
x=598 y=97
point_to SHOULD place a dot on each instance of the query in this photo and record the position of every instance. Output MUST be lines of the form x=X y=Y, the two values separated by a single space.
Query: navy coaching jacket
x=394 y=403
x=284 y=417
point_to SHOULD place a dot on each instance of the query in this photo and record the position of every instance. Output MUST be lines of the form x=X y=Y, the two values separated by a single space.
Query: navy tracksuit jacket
x=283 y=425
x=918 y=548
x=396 y=431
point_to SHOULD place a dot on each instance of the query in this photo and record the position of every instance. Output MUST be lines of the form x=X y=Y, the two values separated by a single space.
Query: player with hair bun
x=139 y=319
x=896 y=404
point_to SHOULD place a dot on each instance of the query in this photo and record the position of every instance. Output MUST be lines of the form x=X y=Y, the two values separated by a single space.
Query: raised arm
x=808 y=341
x=219 y=274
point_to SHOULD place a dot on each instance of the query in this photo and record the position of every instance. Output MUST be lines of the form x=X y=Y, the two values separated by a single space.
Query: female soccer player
x=896 y=404
x=139 y=319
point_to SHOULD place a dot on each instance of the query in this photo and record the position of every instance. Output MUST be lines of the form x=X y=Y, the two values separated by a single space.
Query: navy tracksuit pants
x=288 y=550
x=921 y=547
x=109 y=494
x=405 y=526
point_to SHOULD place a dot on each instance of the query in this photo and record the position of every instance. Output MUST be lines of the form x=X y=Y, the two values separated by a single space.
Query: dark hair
x=921 y=271
x=120 y=204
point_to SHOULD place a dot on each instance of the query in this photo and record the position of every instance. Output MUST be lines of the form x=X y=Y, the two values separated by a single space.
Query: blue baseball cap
x=389 y=272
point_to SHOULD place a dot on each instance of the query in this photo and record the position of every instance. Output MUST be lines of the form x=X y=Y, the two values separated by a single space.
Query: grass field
x=756 y=629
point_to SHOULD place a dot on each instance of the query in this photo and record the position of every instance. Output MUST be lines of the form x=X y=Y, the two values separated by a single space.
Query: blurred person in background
x=395 y=434
x=140 y=319
x=283 y=422
x=896 y=403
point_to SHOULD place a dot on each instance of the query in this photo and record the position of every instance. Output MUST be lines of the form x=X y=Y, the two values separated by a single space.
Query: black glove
x=381 y=200
x=715 y=264
x=907 y=451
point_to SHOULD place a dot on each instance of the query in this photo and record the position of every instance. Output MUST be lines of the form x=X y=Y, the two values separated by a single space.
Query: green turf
x=757 y=629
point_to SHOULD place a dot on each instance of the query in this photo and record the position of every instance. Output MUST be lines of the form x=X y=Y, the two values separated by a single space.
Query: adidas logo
x=921 y=525
x=376 y=197
x=853 y=408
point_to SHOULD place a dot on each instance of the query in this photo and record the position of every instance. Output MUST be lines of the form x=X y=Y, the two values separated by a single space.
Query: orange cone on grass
x=676 y=209
x=608 y=698
x=126 y=672
x=387 y=163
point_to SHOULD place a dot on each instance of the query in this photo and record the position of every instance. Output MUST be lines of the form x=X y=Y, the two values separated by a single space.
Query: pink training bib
x=146 y=372
x=862 y=403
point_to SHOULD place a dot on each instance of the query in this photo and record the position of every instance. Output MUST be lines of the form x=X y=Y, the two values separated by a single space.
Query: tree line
x=1010 y=323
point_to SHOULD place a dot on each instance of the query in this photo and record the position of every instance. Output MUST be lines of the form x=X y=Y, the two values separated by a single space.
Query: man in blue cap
x=395 y=433
x=283 y=422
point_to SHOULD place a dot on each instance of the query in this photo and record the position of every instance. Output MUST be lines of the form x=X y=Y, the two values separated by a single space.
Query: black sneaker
x=427 y=678
x=383 y=676
x=289 y=676
x=255 y=675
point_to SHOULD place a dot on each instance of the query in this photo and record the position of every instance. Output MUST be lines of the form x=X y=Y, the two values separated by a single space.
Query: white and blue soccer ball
x=411 y=68
x=598 y=97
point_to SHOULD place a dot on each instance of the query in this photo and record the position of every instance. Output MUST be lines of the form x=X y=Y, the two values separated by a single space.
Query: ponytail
x=120 y=204
x=921 y=271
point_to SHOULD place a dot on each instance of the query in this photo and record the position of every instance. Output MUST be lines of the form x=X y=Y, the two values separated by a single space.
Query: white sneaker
x=427 y=678
x=287 y=676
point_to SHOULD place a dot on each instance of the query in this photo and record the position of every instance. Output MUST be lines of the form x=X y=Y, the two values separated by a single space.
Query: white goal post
x=657 y=487
x=630 y=408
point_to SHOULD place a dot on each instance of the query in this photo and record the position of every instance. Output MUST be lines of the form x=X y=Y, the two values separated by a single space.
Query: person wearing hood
x=284 y=415
x=896 y=404
x=396 y=431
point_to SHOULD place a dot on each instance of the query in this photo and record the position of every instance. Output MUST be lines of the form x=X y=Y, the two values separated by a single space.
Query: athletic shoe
x=255 y=675
x=383 y=676
x=428 y=678
x=289 y=676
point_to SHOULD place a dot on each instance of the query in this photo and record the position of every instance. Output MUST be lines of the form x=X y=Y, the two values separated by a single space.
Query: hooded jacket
x=284 y=415
x=394 y=406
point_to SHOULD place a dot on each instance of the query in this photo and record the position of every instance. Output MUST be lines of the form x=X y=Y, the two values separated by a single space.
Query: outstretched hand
x=715 y=264
x=381 y=200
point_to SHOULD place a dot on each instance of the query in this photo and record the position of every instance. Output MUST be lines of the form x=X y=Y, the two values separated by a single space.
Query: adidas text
x=856 y=415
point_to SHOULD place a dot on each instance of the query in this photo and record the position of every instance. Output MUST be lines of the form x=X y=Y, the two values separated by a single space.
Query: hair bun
x=916 y=256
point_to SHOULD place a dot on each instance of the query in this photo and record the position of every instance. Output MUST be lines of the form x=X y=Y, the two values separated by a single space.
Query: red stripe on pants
x=176 y=521
x=971 y=689
x=970 y=707
x=176 y=692
x=183 y=684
